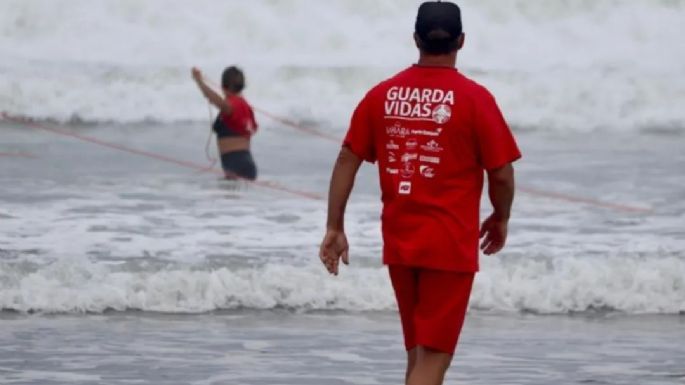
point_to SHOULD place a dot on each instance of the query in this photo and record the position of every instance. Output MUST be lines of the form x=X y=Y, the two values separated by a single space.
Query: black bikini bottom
x=239 y=165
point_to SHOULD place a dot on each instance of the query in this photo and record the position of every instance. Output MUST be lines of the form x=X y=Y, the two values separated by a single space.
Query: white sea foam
x=564 y=66
x=632 y=284
x=117 y=233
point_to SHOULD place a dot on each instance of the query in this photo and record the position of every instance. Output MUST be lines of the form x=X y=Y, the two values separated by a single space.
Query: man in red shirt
x=433 y=133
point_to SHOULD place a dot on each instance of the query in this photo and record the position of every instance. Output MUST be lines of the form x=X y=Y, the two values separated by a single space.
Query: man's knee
x=411 y=362
x=430 y=368
x=412 y=357
x=433 y=357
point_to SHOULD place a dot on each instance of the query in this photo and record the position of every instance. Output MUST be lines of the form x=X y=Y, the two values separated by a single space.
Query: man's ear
x=417 y=41
x=460 y=43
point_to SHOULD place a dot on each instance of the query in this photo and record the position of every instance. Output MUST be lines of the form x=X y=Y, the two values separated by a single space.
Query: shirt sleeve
x=495 y=142
x=359 y=138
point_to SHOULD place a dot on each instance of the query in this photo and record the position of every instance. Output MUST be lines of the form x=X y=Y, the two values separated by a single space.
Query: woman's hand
x=197 y=74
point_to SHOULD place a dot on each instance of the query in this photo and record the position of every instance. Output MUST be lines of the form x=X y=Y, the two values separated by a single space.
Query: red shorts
x=432 y=305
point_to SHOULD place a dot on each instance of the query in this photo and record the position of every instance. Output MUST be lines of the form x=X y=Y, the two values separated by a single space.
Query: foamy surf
x=124 y=233
x=562 y=67
x=633 y=284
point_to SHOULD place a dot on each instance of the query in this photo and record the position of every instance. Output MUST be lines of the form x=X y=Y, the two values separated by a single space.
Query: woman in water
x=235 y=124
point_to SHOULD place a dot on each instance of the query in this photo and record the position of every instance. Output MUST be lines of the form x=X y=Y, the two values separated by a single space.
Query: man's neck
x=449 y=60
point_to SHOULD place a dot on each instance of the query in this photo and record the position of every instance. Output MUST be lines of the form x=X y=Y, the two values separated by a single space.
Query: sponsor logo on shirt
x=397 y=131
x=427 y=171
x=427 y=104
x=391 y=145
x=408 y=171
x=429 y=159
x=392 y=171
x=442 y=114
x=411 y=144
x=437 y=132
x=408 y=157
x=392 y=158
x=432 y=146
x=405 y=188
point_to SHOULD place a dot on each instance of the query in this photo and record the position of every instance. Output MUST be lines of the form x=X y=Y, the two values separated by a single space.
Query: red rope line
x=18 y=155
x=527 y=190
x=278 y=187
x=163 y=158
x=299 y=127
x=583 y=200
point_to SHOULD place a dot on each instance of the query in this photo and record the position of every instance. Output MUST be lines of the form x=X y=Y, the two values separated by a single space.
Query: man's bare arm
x=501 y=192
x=334 y=245
x=210 y=94
x=342 y=182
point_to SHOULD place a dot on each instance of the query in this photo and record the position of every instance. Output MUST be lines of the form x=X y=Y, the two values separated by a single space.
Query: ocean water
x=259 y=348
x=578 y=66
x=99 y=244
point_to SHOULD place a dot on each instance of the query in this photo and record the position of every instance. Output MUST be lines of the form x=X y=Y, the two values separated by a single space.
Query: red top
x=433 y=132
x=241 y=120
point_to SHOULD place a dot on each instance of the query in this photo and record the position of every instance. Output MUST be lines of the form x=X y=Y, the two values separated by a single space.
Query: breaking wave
x=556 y=66
x=632 y=284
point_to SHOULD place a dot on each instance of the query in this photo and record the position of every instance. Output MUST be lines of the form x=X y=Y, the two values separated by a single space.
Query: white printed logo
x=427 y=171
x=429 y=159
x=411 y=144
x=391 y=145
x=392 y=171
x=407 y=157
x=442 y=113
x=392 y=158
x=432 y=146
x=405 y=188
x=397 y=131
x=408 y=103
x=408 y=171
x=437 y=132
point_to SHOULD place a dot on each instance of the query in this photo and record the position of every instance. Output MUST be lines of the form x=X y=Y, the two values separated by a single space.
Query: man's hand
x=197 y=74
x=494 y=230
x=333 y=248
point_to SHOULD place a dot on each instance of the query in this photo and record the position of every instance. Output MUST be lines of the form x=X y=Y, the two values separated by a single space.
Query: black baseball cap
x=438 y=23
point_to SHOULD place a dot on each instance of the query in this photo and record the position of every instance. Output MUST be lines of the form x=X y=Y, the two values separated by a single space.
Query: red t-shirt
x=241 y=120
x=433 y=132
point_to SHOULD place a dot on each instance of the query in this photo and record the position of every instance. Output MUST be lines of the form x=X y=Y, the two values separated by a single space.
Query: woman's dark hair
x=233 y=79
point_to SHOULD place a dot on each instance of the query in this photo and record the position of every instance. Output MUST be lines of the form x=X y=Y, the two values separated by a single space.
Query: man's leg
x=411 y=363
x=439 y=314
x=429 y=368
x=404 y=282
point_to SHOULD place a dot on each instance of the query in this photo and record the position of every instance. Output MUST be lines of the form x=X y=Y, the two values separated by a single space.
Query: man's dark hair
x=438 y=27
x=233 y=79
